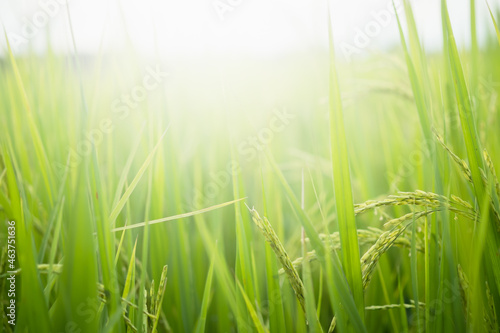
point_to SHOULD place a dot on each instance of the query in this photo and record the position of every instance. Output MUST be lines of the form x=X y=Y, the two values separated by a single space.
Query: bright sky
x=200 y=27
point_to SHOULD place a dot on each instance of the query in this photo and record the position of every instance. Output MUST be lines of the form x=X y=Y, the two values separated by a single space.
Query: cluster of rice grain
x=468 y=174
x=423 y=199
x=382 y=241
x=365 y=237
x=464 y=289
x=394 y=306
x=152 y=310
x=489 y=164
x=461 y=163
x=371 y=257
x=494 y=194
x=273 y=240
x=491 y=313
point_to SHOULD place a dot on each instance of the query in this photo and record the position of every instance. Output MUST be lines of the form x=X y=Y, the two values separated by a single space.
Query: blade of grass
x=310 y=303
x=243 y=267
x=31 y=300
x=497 y=30
x=255 y=319
x=126 y=168
x=467 y=121
x=43 y=161
x=342 y=184
x=415 y=80
x=176 y=217
x=118 y=207
x=414 y=272
x=207 y=295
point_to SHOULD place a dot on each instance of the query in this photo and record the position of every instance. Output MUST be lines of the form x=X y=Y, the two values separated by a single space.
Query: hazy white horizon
x=198 y=27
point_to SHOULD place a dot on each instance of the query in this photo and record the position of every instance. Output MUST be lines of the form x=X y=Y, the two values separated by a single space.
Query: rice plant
x=291 y=194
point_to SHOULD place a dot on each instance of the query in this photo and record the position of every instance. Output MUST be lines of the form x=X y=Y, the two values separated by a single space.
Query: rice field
x=297 y=193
